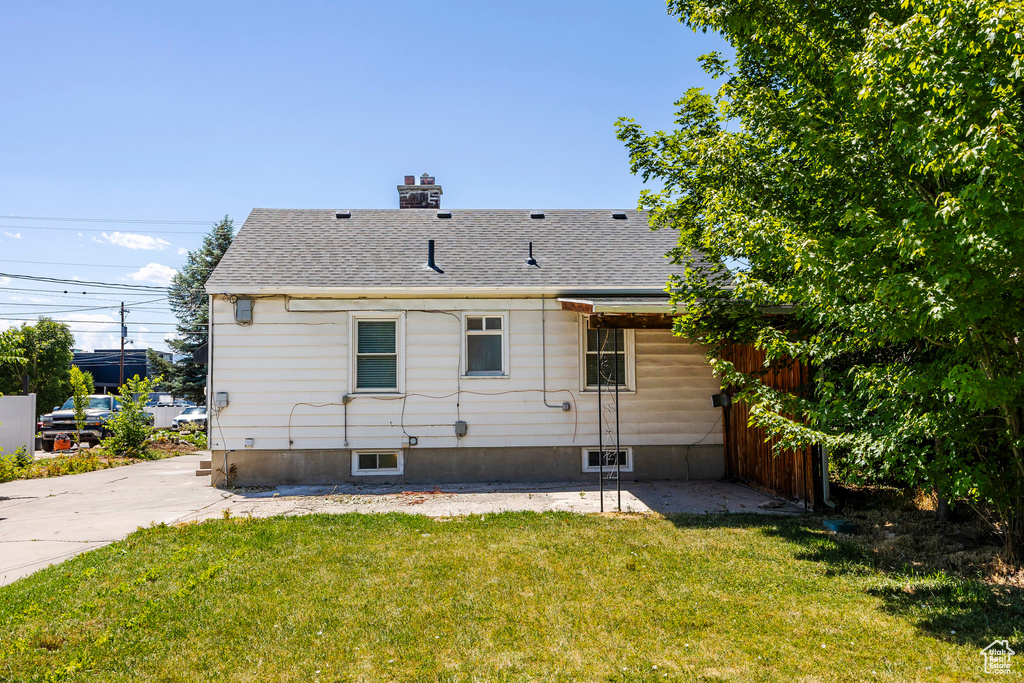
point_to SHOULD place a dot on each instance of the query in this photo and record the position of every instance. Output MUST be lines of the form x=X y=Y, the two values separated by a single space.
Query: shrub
x=130 y=426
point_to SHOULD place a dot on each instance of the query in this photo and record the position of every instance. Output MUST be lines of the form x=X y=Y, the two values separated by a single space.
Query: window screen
x=377 y=461
x=484 y=345
x=376 y=355
x=594 y=459
x=613 y=370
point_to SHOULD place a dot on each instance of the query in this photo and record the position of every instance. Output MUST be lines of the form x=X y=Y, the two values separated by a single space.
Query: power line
x=109 y=220
x=85 y=283
x=193 y=329
x=135 y=231
x=68 y=294
x=64 y=263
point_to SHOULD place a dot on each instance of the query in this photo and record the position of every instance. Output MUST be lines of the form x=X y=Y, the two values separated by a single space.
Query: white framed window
x=376 y=356
x=369 y=463
x=618 y=363
x=592 y=459
x=485 y=344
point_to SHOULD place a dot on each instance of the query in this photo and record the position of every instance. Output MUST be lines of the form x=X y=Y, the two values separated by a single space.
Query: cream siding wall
x=287 y=372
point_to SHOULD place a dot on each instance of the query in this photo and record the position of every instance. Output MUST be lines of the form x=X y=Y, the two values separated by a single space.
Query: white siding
x=286 y=375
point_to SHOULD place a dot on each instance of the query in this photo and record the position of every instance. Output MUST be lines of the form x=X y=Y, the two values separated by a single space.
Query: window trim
x=585 y=459
x=629 y=337
x=391 y=471
x=353 y=348
x=464 y=351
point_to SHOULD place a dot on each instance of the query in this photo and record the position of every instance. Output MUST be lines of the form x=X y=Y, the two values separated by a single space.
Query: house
x=428 y=345
x=106 y=370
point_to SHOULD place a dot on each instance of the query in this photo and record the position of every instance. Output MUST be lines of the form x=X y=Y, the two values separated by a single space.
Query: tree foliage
x=189 y=303
x=130 y=426
x=81 y=386
x=43 y=352
x=861 y=170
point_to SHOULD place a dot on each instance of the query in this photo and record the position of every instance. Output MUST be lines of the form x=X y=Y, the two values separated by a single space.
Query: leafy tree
x=81 y=386
x=861 y=170
x=190 y=305
x=130 y=426
x=43 y=352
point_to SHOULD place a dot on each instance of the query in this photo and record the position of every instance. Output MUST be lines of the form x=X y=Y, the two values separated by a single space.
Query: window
x=592 y=459
x=485 y=349
x=616 y=354
x=377 y=355
x=377 y=462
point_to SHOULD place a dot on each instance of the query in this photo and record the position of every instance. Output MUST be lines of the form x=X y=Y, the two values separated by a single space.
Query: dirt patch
x=899 y=530
x=170 y=450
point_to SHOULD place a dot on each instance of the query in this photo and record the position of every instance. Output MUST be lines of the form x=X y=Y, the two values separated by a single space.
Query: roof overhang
x=617 y=304
x=496 y=292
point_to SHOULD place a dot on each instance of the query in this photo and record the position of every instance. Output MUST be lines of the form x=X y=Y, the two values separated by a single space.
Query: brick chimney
x=426 y=195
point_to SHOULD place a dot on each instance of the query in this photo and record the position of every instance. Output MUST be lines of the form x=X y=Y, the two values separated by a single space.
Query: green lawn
x=509 y=597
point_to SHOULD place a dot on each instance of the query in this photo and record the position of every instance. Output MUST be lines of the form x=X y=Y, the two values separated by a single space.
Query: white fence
x=17 y=423
x=164 y=415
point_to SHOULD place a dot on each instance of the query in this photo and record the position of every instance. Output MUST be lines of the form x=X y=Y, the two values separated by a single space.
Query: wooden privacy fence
x=792 y=474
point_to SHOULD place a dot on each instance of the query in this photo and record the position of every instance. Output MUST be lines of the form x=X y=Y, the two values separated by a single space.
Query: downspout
x=210 y=405
x=825 y=493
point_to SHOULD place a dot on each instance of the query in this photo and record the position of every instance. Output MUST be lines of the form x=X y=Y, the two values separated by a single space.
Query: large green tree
x=188 y=301
x=860 y=172
x=43 y=352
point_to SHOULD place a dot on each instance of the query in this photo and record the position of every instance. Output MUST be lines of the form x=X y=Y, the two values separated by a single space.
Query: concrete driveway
x=45 y=521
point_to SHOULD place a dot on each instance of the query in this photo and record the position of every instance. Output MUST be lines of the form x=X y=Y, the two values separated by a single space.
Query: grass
x=508 y=597
x=19 y=466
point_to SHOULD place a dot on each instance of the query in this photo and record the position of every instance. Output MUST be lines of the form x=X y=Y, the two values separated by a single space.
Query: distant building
x=105 y=366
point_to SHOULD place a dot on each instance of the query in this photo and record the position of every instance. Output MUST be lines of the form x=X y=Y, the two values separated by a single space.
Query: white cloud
x=95 y=332
x=131 y=240
x=182 y=251
x=41 y=299
x=13 y=235
x=155 y=273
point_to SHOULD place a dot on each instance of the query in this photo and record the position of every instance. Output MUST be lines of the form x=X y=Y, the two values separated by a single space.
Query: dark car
x=62 y=421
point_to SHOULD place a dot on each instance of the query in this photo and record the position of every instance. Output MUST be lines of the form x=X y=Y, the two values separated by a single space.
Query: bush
x=193 y=434
x=130 y=426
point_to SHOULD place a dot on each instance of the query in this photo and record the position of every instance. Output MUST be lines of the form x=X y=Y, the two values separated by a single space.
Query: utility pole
x=124 y=333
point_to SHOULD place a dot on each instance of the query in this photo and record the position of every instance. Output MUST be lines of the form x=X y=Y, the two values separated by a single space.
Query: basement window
x=592 y=459
x=368 y=463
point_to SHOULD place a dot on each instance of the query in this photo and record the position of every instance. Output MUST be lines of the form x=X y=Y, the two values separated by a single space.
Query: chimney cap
x=410 y=180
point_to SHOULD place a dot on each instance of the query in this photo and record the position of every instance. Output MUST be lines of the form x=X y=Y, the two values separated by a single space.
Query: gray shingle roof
x=278 y=248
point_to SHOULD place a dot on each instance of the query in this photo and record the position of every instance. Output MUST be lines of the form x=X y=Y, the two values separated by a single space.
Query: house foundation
x=252 y=467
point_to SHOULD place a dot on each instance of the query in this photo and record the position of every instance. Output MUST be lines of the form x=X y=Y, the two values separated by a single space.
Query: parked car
x=62 y=421
x=195 y=415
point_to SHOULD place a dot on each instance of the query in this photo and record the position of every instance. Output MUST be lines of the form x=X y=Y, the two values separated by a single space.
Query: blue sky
x=188 y=111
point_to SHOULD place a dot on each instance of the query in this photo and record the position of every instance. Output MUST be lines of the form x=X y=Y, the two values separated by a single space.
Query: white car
x=195 y=415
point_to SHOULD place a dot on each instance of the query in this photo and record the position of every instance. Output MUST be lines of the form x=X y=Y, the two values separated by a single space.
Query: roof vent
x=430 y=257
x=444 y=214
x=531 y=261
x=536 y=214
x=619 y=215
x=343 y=214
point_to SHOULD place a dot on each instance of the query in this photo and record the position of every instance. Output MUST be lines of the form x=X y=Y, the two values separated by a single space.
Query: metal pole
x=121 y=382
x=618 y=465
x=600 y=420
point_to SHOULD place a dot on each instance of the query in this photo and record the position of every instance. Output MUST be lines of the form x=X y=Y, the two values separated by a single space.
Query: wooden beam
x=631 y=321
x=577 y=307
